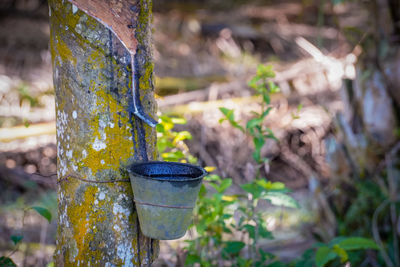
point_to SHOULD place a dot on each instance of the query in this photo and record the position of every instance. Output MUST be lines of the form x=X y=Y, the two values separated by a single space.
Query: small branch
x=376 y=235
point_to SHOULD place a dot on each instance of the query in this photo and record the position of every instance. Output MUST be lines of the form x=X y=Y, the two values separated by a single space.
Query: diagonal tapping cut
x=120 y=17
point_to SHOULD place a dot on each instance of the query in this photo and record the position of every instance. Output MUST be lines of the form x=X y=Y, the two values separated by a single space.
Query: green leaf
x=275 y=187
x=16 y=239
x=166 y=123
x=6 y=262
x=307 y=259
x=263 y=231
x=333 y=242
x=176 y=120
x=26 y=123
x=265 y=255
x=212 y=178
x=160 y=128
x=266 y=98
x=354 y=243
x=261 y=89
x=184 y=135
x=324 y=255
x=164 y=118
x=192 y=259
x=280 y=199
x=251 y=230
x=273 y=88
x=201 y=228
x=277 y=264
x=254 y=122
x=253 y=82
x=205 y=263
x=230 y=117
x=225 y=184
x=43 y=211
x=265 y=113
x=242 y=262
x=295 y=117
x=270 y=134
x=299 y=107
x=173 y=156
x=265 y=71
x=202 y=191
x=221 y=120
x=258 y=143
x=163 y=144
x=233 y=247
x=228 y=113
x=253 y=189
x=236 y=125
x=226 y=230
x=341 y=252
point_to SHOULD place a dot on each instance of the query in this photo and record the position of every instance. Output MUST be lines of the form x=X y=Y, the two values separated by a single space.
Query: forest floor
x=204 y=56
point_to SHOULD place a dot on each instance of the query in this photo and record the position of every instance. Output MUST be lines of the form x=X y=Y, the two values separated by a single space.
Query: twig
x=382 y=163
x=392 y=195
x=22 y=227
x=376 y=235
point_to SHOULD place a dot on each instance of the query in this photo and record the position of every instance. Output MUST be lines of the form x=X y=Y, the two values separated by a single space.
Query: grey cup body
x=165 y=194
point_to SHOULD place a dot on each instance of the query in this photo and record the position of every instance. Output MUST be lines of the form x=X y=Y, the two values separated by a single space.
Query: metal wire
x=65 y=178
x=162 y=206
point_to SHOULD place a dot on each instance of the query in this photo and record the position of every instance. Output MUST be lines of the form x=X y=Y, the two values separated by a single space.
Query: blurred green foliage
x=227 y=227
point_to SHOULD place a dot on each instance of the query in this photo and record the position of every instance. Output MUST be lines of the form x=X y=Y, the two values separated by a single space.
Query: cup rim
x=202 y=170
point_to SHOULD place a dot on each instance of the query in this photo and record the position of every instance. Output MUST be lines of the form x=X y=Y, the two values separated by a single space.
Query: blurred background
x=335 y=116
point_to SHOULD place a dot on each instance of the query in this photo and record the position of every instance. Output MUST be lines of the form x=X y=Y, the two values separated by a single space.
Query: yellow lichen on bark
x=78 y=214
x=64 y=51
x=111 y=145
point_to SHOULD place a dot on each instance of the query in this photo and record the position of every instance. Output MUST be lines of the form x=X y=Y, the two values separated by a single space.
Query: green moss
x=96 y=59
x=145 y=79
x=144 y=16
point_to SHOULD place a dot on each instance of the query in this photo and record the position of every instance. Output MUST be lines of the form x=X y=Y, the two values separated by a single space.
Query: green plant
x=25 y=95
x=170 y=143
x=6 y=261
x=255 y=127
x=337 y=252
x=374 y=205
x=229 y=227
x=340 y=248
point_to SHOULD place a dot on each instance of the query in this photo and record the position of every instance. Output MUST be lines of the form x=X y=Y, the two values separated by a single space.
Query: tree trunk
x=371 y=118
x=98 y=136
x=368 y=136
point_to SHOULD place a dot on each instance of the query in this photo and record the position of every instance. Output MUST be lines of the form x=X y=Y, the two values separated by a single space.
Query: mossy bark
x=98 y=137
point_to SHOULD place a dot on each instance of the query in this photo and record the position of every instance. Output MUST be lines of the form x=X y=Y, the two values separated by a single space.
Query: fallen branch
x=20 y=132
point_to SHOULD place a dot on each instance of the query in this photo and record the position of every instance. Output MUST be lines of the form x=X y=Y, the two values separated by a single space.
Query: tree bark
x=98 y=136
x=371 y=117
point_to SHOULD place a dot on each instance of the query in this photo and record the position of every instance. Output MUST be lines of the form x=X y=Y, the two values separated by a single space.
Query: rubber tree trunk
x=98 y=136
